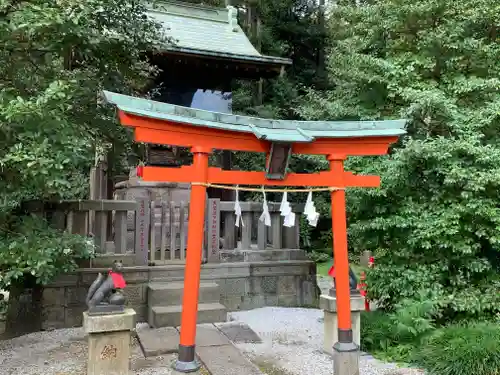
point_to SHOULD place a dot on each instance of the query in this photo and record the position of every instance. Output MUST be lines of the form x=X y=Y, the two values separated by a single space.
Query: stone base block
x=109 y=343
x=329 y=303
x=109 y=353
x=170 y=316
x=109 y=323
x=345 y=362
x=170 y=294
x=365 y=258
x=329 y=306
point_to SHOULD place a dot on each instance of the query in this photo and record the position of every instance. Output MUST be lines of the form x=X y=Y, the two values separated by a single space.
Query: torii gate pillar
x=345 y=351
x=186 y=361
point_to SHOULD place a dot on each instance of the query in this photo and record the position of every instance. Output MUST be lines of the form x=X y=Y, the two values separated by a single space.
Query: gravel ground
x=64 y=352
x=292 y=340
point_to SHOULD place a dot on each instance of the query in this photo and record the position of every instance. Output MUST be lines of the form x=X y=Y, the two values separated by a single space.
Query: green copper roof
x=270 y=130
x=208 y=31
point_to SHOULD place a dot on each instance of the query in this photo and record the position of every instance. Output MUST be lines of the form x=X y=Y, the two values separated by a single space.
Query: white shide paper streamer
x=265 y=217
x=237 y=211
x=286 y=211
x=310 y=211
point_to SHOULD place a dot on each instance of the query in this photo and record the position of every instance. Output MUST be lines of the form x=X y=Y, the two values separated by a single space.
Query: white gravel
x=64 y=352
x=292 y=340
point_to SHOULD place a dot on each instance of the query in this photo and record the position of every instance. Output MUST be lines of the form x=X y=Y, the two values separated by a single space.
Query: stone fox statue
x=105 y=295
x=353 y=280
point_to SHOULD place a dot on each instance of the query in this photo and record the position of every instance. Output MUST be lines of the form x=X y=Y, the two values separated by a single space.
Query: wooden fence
x=151 y=232
x=169 y=233
x=106 y=221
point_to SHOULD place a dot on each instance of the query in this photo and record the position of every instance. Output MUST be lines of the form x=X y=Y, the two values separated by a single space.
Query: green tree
x=290 y=28
x=56 y=57
x=435 y=221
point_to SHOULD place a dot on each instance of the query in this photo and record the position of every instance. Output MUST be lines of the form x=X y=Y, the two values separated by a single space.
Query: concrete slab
x=209 y=335
x=213 y=348
x=226 y=360
x=158 y=341
x=170 y=316
x=238 y=332
x=155 y=342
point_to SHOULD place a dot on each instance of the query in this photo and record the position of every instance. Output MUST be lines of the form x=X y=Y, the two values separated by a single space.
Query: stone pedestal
x=345 y=359
x=329 y=306
x=365 y=258
x=109 y=342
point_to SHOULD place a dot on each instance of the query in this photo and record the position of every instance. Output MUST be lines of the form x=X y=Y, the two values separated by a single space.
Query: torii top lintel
x=169 y=124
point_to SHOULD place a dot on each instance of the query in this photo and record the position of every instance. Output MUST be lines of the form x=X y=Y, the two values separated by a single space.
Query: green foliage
x=396 y=336
x=388 y=285
x=461 y=350
x=436 y=215
x=40 y=252
x=56 y=57
x=319 y=257
x=289 y=28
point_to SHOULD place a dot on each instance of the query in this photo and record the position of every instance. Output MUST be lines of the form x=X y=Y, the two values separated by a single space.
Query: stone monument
x=108 y=324
x=329 y=305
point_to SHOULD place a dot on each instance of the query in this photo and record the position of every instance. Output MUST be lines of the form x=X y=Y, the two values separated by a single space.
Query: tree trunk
x=24 y=313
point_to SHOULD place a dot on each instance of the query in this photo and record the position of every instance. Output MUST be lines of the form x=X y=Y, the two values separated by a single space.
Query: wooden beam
x=177 y=136
x=184 y=135
x=186 y=174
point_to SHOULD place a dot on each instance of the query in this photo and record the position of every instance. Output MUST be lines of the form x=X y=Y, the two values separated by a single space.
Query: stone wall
x=243 y=286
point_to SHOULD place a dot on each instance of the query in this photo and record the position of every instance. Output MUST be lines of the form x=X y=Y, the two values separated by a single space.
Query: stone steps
x=170 y=316
x=165 y=304
x=170 y=294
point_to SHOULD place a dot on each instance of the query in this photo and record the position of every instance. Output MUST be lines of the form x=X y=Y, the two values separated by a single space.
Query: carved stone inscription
x=108 y=352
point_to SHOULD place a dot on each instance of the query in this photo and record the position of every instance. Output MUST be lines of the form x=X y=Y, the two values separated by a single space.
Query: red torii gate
x=204 y=131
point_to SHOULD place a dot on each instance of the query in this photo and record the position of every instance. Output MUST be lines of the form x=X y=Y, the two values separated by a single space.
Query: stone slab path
x=214 y=346
x=155 y=342
x=226 y=360
x=238 y=332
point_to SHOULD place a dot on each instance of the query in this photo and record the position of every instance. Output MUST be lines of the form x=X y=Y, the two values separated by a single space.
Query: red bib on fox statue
x=118 y=280
x=331 y=271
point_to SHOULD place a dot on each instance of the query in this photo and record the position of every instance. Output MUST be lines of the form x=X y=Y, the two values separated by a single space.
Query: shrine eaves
x=263 y=129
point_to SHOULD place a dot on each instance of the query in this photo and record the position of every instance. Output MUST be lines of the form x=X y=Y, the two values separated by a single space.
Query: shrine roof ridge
x=206 y=31
x=264 y=129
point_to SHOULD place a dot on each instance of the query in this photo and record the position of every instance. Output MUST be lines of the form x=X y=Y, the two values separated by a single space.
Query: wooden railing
x=103 y=220
x=151 y=232
x=169 y=234
x=254 y=234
